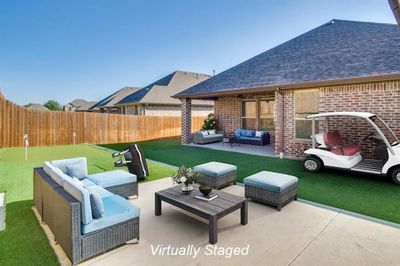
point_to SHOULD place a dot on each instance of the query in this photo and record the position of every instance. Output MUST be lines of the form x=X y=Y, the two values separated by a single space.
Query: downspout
x=395 y=6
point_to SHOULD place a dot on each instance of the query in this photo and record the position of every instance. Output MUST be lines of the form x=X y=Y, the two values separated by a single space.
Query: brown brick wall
x=186 y=120
x=227 y=112
x=382 y=98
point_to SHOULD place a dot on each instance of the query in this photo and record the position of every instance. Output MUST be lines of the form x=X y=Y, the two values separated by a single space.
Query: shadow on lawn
x=23 y=242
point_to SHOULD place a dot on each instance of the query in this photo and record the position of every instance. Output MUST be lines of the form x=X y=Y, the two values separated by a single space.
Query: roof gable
x=161 y=91
x=336 y=50
x=114 y=98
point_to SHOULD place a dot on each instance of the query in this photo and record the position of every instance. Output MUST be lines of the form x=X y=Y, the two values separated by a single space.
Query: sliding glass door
x=249 y=114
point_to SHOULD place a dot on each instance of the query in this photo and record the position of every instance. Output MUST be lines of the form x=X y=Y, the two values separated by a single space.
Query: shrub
x=210 y=122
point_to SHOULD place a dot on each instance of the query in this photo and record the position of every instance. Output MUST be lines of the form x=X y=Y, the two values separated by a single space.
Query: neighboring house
x=37 y=107
x=107 y=105
x=156 y=98
x=75 y=104
x=86 y=107
x=339 y=66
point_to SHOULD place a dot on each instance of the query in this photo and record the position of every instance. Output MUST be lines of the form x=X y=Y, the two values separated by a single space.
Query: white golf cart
x=328 y=149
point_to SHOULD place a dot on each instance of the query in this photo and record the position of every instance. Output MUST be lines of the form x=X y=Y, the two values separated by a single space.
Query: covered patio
x=267 y=150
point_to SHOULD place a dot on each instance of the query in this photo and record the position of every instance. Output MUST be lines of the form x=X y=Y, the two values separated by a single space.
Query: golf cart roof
x=364 y=115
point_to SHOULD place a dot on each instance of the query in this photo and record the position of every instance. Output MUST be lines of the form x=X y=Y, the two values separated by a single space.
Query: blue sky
x=69 y=49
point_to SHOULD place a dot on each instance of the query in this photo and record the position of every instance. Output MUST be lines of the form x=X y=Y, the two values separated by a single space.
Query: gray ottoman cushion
x=215 y=169
x=270 y=180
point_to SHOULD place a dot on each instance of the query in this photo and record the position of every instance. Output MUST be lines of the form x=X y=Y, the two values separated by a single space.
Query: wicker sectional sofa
x=207 y=136
x=66 y=209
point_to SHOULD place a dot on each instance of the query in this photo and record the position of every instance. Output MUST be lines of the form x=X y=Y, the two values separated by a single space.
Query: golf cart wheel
x=396 y=176
x=312 y=164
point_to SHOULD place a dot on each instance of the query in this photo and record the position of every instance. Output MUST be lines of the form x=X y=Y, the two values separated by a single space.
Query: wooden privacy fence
x=46 y=128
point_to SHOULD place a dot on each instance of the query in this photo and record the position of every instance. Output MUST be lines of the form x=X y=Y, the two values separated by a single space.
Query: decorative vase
x=187 y=188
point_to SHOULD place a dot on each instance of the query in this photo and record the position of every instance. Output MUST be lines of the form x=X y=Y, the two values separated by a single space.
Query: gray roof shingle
x=161 y=91
x=114 y=98
x=339 y=49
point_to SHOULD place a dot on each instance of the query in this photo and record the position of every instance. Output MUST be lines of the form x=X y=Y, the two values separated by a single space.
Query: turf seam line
x=315 y=237
x=350 y=213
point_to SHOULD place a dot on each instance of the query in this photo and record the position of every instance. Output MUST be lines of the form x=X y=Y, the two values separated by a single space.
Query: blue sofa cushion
x=77 y=170
x=116 y=210
x=244 y=133
x=215 y=169
x=101 y=191
x=81 y=194
x=55 y=173
x=270 y=180
x=62 y=164
x=86 y=182
x=112 y=178
x=251 y=138
x=248 y=133
x=96 y=203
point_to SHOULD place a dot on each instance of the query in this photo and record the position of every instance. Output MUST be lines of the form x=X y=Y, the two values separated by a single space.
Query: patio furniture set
x=268 y=187
x=240 y=136
x=89 y=214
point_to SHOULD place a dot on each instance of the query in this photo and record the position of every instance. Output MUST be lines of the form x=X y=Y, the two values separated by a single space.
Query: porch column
x=279 y=122
x=186 y=120
x=258 y=124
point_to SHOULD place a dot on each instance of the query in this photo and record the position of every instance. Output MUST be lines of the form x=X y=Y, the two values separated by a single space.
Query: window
x=306 y=102
x=249 y=114
x=267 y=115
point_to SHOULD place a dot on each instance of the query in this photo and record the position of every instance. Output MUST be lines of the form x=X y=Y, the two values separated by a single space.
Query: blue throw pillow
x=96 y=203
x=76 y=170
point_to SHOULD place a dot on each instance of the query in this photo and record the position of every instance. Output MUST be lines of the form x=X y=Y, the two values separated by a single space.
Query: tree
x=52 y=105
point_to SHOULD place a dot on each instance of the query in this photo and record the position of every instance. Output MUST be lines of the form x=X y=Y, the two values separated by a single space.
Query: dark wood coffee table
x=225 y=204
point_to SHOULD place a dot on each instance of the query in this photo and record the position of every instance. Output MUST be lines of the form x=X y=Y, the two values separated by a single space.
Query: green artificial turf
x=365 y=194
x=24 y=242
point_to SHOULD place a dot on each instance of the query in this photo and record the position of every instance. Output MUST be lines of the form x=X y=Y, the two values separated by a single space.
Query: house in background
x=86 y=107
x=107 y=105
x=156 y=98
x=36 y=107
x=74 y=105
x=339 y=66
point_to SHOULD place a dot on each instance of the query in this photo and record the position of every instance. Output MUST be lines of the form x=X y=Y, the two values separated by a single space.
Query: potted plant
x=210 y=122
x=187 y=177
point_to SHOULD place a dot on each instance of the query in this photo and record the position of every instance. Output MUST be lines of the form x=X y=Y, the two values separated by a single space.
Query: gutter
x=299 y=85
x=395 y=6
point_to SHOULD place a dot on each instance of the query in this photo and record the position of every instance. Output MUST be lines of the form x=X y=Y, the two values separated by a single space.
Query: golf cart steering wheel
x=369 y=135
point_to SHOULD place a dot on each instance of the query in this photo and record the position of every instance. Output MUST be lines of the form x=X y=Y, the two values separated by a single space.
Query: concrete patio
x=267 y=150
x=301 y=234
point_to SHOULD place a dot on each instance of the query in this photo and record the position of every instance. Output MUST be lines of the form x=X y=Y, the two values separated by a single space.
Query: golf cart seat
x=334 y=142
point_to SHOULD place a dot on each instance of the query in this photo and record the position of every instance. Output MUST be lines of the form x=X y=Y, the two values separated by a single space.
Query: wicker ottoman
x=216 y=174
x=271 y=188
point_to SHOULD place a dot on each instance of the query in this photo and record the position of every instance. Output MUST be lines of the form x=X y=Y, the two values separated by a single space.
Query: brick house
x=338 y=66
x=156 y=98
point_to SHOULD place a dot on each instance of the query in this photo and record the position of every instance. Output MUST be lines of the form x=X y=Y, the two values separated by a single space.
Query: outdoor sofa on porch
x=207 y=136
x=252 y=137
